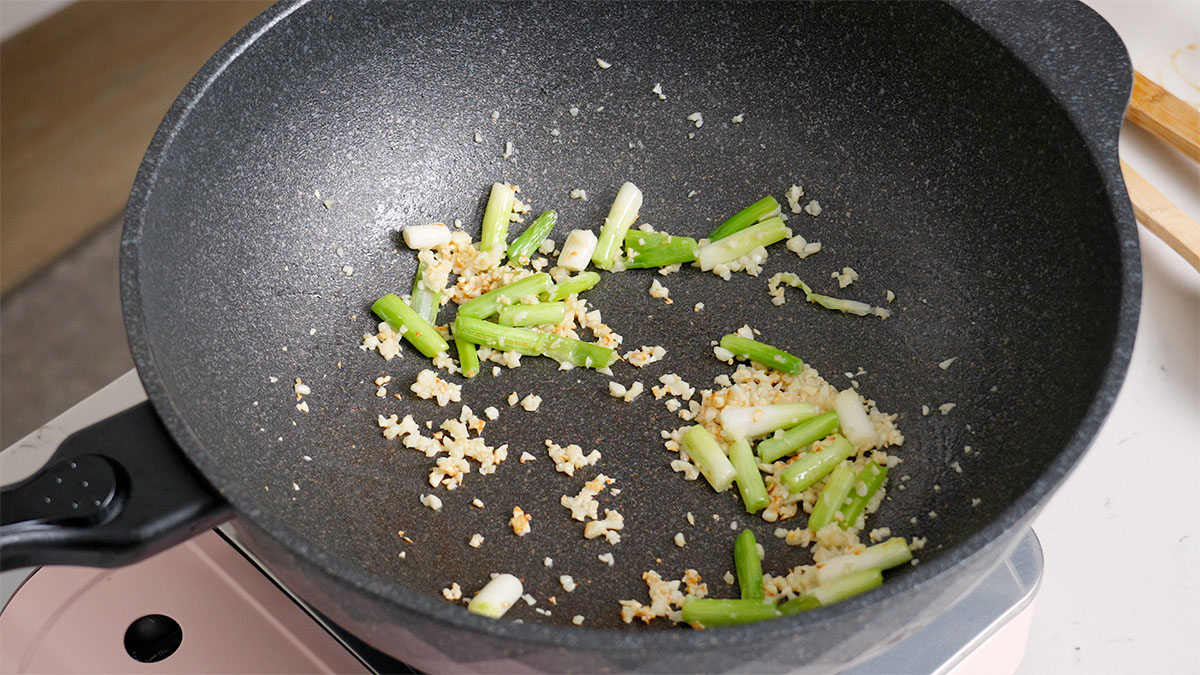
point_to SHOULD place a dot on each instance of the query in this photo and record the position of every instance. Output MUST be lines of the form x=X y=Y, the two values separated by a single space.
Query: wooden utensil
x=1161 y=113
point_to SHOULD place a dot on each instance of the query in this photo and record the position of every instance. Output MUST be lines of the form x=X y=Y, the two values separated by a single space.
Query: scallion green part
x=707 y=455
x=748 y=566
x=657 y=249
x=577 y=352
x=502 y=338
x=423 y=300
x=489 y=303
x=745 y=218
x=621 y=215
x=712 y=612
x=802 y=473
x=538 y=314
x=806 y=433
x=572 y=285
x=834 y=591
x=832 y=498
x=866 y=484
x=761 y=353
x=496 y=216
x=889 y=554
x=468 y=357
x=740 y=243
x=524 y=246
x=533 y=343
x=419 y=332
x=749 y=480
x=829 y=302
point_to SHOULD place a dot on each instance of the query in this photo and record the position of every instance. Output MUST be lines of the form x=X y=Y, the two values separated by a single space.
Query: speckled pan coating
x=965 y=157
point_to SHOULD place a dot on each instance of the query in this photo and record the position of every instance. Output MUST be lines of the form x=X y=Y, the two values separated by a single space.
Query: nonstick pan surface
x=946 y=171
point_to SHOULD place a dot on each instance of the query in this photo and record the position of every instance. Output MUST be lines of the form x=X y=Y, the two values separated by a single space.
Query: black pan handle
x=112 y=494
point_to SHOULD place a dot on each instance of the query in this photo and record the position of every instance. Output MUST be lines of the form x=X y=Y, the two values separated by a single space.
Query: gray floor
x=61 y=336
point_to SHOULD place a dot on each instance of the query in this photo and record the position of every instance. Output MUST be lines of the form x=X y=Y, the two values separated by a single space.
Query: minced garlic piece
x=520 y=522
x=531 y=402
x=680 y=540
x=813 y=208
x=579 y=194
x=526 y=457
x=301 y=389
x=607 y=558
x=302 y=406
x=453 y=593
x=607 y=527
x=657 y=290
x=431 y=501
x=584 y=505
x=429 y=385
x=476 y=540
x=567 y=582
x=793 y=195
x=846 y=277
x=568 y=459
x=577 y=619
x=386 y=341
x=640 y=358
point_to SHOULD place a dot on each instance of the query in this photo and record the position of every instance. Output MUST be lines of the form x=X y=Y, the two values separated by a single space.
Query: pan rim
x=1020 y=510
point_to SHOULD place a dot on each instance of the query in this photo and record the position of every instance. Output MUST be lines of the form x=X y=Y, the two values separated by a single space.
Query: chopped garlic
x=431 y=501
x=946 y=364
x=813 y=208
x=657 y=290
x=531 y=402
x=607 y=558
x=646 y=355
x=698 y=118
x=429 y=385
x=577 y=193
x=738 y=118
x=520 y=522
x=567 y=582
x=568 y=459
x=846 y=277
x=508 y=150
x=302 y=406
x=604 y=65
x=680 y=540
x=426 y=236
x=793 y=195
x=945 y=408
x=657 y=90
x=452 y=593
x=577 y=619
x=476 y=540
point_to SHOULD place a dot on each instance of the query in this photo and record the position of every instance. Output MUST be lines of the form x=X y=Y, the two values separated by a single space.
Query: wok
x=965 y=156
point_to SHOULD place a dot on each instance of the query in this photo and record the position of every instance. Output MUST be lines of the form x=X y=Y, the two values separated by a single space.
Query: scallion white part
x=707 y=455
x=426 y=236
x=856 y=424
x=763 y=419
x=577 y=250
x=496 y=217
x=621 y=215
x=494 y=599
x=889 y=554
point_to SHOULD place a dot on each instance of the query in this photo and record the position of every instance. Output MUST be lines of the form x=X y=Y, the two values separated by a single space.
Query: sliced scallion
x=802 y=473
x=866 y=484
x=523 y=247
x=621 y=215
x=711 y=612
x=707 y=455
x=657 y=249
x=424 y=300
x=740 y=243
x=572 y=285
x=489 y=303
x=833 y=497
x=746 y=217
x=806 y=433
x=757 y=420
x=538 y=314
x=749 y=480
x=748 y=566
x=834 y=591
x=882 y=556
x=419 y=332
x=496 y=216
x=761 y=353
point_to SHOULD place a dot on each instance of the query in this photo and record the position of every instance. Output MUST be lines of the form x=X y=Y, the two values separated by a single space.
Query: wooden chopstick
x=1158 y=111
x=1162 y=217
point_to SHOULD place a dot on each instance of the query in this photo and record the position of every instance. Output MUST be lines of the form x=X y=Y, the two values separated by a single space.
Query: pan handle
x=112 y=494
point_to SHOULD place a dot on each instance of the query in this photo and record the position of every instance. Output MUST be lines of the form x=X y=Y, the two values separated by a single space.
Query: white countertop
x=1121 y=592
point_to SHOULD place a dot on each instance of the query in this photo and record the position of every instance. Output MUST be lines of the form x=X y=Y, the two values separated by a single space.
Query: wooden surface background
x=81 y=93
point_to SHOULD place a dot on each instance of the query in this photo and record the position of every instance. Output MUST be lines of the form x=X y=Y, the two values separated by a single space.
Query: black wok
x=965 y=157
